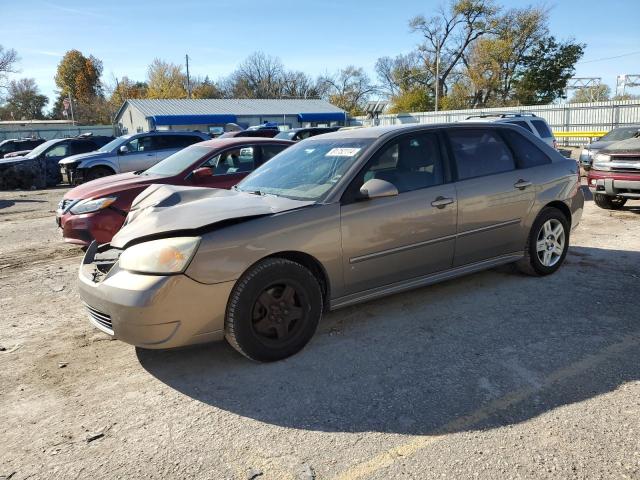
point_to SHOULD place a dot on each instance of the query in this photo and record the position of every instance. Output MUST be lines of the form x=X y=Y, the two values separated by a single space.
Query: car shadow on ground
x=11 y=203
x=483 y=351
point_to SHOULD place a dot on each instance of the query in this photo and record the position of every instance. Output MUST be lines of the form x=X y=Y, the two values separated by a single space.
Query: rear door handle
x=522 y=184
x=441 y=202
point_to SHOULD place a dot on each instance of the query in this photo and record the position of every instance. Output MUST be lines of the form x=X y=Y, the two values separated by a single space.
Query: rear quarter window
x=522 y=124
x=542 y=128
x=527 y=154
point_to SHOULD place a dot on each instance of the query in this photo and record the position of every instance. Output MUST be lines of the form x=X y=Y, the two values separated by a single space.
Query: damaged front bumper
x=150 y=311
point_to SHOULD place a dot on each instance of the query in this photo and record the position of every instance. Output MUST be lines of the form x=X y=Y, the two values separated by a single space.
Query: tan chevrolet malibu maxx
x=335 y=220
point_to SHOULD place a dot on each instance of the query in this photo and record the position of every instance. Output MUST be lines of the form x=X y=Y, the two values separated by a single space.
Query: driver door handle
x=441 y=202
x=522 y=184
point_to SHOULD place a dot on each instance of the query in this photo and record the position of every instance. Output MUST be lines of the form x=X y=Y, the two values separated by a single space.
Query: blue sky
x=316 y=37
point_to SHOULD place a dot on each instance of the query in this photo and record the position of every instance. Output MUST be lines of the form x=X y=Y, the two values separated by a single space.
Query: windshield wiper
x=138 y=172
x=252 y=192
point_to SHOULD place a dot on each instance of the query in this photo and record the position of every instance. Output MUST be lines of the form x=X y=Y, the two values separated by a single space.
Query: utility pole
x=188 y=78
x=437 y=71
x=73 y=121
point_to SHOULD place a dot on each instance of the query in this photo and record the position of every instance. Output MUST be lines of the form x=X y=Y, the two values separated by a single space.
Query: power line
x=610 y=58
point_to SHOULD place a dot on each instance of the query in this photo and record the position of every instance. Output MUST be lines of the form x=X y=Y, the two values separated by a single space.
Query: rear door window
x=479 y=152
x=542 y=128
x=175 y=141
x=82 y=147
x=527 y=154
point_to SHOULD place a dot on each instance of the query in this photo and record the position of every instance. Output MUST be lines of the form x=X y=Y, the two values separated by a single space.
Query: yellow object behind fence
x=582 y=134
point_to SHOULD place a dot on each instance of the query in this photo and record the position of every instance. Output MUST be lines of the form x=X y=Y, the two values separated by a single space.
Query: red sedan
x=96 y=210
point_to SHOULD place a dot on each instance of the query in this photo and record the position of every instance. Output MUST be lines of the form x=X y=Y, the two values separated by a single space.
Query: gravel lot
x=495 y=375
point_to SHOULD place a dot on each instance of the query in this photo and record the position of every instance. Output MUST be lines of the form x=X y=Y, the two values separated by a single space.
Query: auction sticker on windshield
x=342 y=152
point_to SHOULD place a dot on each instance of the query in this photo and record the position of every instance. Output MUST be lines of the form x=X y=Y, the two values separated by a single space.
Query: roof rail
x=502 y=115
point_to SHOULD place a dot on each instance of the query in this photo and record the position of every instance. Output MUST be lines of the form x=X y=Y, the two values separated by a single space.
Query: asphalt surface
x=495 y=375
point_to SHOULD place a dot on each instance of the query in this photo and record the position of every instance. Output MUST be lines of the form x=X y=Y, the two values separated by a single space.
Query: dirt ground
x=495 y=375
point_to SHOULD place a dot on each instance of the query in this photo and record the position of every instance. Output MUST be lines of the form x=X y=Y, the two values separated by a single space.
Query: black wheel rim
x=279 y=313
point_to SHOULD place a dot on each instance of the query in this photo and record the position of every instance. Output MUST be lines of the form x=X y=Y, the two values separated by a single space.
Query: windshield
x=41 y=148
x=288 y=135
x=307 y=170
x=620 y=133
x=113 y=144
x=179 y=161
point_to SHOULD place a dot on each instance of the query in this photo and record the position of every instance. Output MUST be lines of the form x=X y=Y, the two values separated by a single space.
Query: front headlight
x=88 y=206
x=167 y=255
x=600 y=162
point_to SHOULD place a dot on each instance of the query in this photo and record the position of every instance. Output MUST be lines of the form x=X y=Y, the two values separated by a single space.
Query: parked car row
x=13 y=146
x=329 y=221
x=39 y=168
x=88 y=157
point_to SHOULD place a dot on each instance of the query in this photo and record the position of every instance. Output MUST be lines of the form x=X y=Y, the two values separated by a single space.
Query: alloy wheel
x=550 y=242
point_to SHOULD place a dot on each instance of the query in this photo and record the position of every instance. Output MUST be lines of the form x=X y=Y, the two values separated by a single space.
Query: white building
x=210 y=115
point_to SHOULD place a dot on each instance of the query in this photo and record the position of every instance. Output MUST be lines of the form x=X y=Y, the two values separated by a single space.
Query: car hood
x=161 y=209
x=111 y=185
x=599 y=145
x=82 y=156
x=631 y=145
x=7 y=162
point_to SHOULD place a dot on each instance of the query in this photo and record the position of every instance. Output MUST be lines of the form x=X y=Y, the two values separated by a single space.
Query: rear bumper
x=153 y=311
x=625 y=185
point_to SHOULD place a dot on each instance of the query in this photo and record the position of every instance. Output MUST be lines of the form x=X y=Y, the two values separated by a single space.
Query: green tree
x=24 y=101
x=166 y=80
x=546 y=71
x=416 y=99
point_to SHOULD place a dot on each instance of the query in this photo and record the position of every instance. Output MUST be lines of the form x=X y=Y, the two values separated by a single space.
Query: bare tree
x=8 y=60
x=450 y=32
x=402 y=73
x=297 y=84
x=349 y=89
x=258 y=76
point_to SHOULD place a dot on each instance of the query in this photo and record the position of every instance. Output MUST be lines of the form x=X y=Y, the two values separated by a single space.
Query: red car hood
x=112 y=184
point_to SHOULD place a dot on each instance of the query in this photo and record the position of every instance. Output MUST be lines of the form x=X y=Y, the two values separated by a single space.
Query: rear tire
x=609 y=203
x=547 y=243
x=273 y=310
x=98 y=172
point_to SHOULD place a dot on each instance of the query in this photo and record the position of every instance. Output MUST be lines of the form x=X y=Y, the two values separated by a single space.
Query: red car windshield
x=179 y=161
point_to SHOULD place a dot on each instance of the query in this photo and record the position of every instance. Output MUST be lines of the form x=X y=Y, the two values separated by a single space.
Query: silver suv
x=529 y=121
x=128 y=153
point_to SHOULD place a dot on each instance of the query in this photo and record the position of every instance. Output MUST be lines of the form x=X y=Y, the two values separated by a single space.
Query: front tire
x=273 y=310
x=609 y=203
x=98 y=172
x=547 y=244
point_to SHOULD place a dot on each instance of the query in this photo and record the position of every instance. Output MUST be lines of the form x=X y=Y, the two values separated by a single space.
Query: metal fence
x=49 y=133
x=566 y=117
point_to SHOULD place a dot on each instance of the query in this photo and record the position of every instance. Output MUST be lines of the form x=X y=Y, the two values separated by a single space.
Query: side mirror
x=123 y=150
x=201 y=173
x=376 y=188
